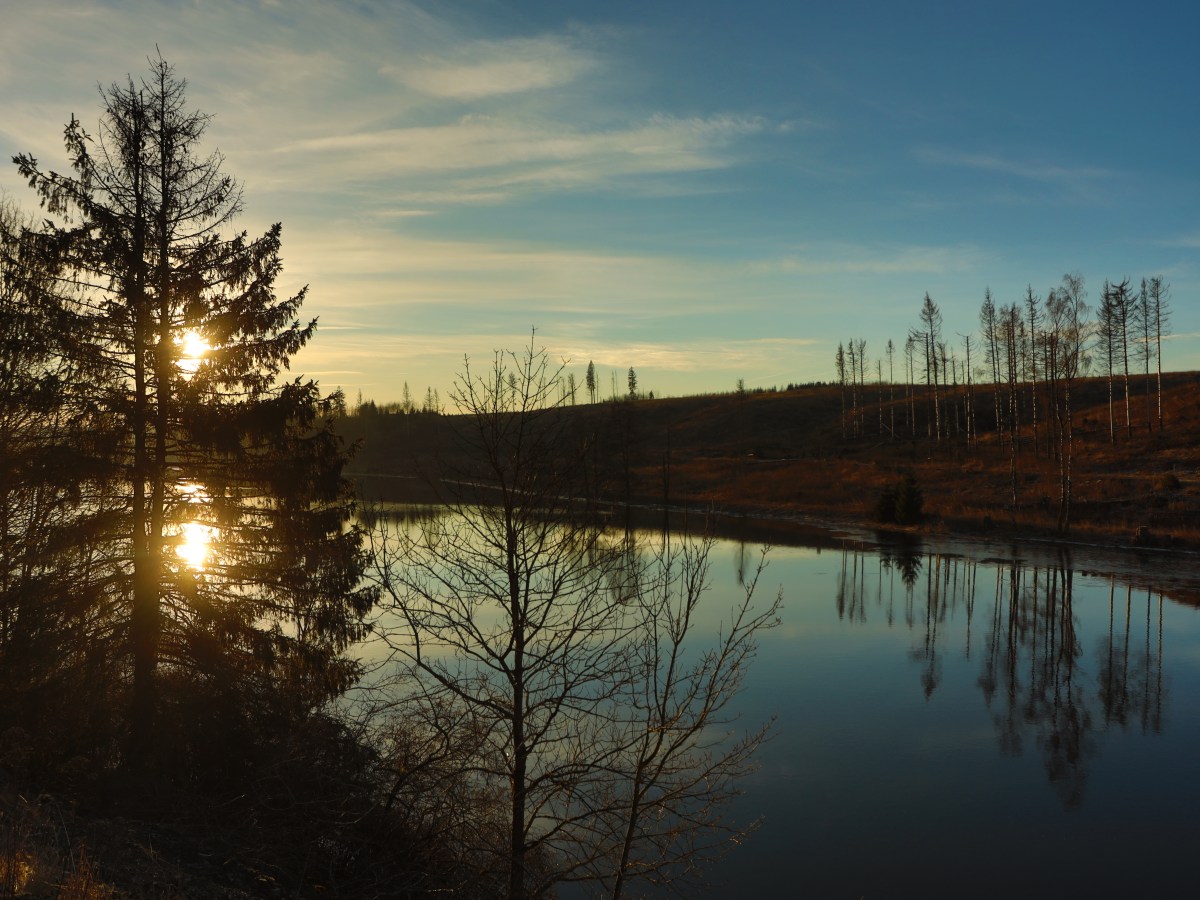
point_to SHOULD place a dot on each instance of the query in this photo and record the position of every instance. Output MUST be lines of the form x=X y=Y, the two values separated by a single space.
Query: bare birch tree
x=1068 y=321
x=987 y=320
x=931 y=331
x=1160 y=310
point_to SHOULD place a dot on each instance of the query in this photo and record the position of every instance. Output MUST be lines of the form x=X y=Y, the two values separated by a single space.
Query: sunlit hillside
x=794 y=455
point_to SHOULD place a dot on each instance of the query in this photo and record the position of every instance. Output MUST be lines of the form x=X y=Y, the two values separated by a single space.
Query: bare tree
x=566 y=655
x=972 y=428
x=1068 y=321
x=987 y=319
x=1107 y=336
x=1160 y=310
x=1010 y=340
x=910 y=345
x=1033 y=319
x=860 y=353
x=931 y=330
x=675 y=756
x=852 y=366
x=1122 y=302
x=839 y=362
x=879 y=383
x=891 y=355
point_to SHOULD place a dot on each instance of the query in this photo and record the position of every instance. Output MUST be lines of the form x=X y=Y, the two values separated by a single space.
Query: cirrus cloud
x=480 y=69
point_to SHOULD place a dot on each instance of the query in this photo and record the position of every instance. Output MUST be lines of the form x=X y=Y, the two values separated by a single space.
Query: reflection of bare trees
x=1030 y=649
x=1131 y=678
x=852 y=585
x=935 y=615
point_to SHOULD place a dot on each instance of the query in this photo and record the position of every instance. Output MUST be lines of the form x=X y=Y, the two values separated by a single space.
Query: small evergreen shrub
x=901 y=503
x=885 y=506
x=910 y=502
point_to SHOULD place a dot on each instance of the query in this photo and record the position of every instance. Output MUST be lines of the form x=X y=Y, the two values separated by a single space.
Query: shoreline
x=798 y=527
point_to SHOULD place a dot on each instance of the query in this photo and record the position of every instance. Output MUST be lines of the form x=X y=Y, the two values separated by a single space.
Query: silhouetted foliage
x=910 y=501
x=210 y=448
x=885 y=506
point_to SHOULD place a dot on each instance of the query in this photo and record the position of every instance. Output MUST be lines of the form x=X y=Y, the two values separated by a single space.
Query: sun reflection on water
x=195 y=538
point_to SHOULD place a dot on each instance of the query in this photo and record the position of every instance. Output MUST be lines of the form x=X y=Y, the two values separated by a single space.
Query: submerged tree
x=556 y=652
x=233 y=567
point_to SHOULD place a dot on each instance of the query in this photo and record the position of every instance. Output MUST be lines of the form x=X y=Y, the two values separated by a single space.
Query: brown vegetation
x=783 y=455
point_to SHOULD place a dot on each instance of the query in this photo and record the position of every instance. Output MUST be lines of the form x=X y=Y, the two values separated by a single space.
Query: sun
x=195 y=544
x=192 y=350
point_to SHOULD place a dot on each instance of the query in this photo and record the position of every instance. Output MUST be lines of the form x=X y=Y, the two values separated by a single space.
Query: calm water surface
x=963 y=720
x=958 y=725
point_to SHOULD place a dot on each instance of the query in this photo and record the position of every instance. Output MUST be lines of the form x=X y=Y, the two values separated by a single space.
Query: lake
x=962 y=719
x=999 y=723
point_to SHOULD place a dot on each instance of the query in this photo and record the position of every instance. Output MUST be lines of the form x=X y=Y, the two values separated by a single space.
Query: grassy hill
x=795 y=455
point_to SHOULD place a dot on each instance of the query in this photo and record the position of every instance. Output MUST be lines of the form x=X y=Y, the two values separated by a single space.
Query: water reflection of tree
x=1131 y=679
x=1052 y=701
x=1030 y=675
x=903 y=555
x=851 y=585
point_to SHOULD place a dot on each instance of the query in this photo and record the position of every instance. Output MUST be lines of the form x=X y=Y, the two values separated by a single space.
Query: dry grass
x=789 y=454
x=785 y=454
x=39 y=858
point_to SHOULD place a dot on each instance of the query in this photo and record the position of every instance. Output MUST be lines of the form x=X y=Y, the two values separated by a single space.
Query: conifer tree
x=51 y=523
x=234 y=568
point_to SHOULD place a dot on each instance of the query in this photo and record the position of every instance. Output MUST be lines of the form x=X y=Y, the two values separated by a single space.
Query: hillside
x=785 y=455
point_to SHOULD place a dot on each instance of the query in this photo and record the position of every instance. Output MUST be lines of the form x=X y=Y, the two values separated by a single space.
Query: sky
x=703 y=191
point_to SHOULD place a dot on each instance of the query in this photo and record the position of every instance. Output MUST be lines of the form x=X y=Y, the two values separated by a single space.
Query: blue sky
x=704 y=191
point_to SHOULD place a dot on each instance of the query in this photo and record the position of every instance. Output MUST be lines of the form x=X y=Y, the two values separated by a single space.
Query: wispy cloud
x=890 y=259
x=1188 y=241
x=695 y=356
x=374 y=269
x=479 y=69
x=304 y=105
x=404 y=355
x=487 y=158
x=1026 y=169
